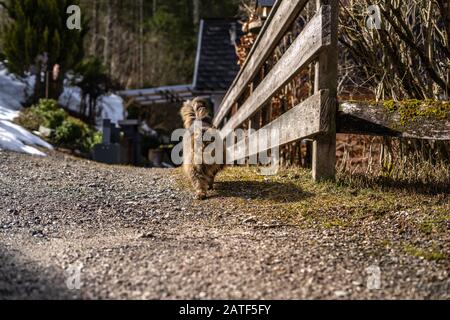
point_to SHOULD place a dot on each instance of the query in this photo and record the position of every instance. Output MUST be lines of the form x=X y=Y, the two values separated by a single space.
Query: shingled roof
x=216 y=63
x=265 y=3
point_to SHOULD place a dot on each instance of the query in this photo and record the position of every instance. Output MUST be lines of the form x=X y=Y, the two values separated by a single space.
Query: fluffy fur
x=201 y=175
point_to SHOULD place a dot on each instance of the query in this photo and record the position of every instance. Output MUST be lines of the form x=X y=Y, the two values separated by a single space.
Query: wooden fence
x=319 y=117
x=313 y=118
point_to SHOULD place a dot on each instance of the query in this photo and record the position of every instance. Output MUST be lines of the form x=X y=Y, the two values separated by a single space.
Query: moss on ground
x=427 y=254
x=293 y=198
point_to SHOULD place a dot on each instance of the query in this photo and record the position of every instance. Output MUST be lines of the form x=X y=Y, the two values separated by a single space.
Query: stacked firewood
x=247 y=40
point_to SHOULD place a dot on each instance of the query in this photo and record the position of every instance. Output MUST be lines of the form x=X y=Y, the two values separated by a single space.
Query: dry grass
x=416 y=176
x=351 y=196
x=418 y=207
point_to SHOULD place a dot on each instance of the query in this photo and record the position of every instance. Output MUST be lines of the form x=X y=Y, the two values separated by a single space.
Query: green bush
x=54 y=119
x=75 y=134
x=69 y=132
x=46 y=113
x=53 y=116
x=93 y=138
x=47 y=106
x=72 y=132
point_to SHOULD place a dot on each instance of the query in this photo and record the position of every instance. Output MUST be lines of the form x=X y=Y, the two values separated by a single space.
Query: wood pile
x=248 y=39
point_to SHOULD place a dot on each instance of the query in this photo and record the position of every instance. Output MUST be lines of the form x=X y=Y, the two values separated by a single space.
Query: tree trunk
x=155 y=4
x=141 y=43
x=95 y=28
x=196 y=13
x=109 y=35
x=39 y=89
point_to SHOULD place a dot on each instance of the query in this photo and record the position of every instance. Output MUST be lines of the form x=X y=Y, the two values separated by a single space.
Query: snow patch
x=70 y=98
x=13 y=93
x=7 y=114
x=112 y=108
x=12 y=142
x=111 y=105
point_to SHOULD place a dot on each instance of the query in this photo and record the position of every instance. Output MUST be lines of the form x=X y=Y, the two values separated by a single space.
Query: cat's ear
x=187 y=103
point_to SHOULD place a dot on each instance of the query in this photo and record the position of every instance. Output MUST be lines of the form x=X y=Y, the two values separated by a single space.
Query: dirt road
x=136 y=233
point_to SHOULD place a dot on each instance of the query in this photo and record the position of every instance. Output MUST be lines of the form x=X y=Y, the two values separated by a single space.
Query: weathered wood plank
x=324 y=146
x=313 y=38
x=303 y=121
x=373 y=119
x=282 y=15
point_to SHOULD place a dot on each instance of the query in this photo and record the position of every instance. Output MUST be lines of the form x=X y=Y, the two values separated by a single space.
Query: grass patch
x=439 y=222
x=427 y=254
x=418 y=176
x=381 y=209
x=293 y=197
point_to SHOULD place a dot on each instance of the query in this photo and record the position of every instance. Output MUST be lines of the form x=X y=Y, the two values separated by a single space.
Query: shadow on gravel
x=264 y=190
x=28 y=281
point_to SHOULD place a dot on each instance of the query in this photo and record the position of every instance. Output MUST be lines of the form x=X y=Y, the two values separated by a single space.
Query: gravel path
x=137 y=234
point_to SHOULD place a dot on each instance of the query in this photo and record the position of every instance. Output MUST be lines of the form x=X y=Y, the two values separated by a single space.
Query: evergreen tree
x=151 y=42
x=36 y=38
x=92 y=78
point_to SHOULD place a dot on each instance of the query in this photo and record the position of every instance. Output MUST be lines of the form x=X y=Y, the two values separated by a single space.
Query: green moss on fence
x=410 y=110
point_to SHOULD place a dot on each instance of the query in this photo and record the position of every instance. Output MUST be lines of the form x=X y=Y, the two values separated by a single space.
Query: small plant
x=68 y=132
x=29 y=119
x=72 y=132
x=53 y=115
x=47 y=106
x=75 y=134
x=46 y=113
x=94 y=138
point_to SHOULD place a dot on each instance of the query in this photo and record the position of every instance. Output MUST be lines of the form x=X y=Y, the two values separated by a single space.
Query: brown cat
x=197 y=120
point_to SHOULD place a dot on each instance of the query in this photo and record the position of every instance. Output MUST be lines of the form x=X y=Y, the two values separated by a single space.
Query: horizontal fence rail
x=305 y=120
x=373 y=119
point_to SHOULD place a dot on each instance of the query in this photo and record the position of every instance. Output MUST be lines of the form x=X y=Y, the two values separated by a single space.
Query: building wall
x=217 y=100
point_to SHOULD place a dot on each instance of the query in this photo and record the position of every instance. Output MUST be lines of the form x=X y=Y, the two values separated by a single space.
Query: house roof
x=265 y=3
x=216 y=64
x=160 y=95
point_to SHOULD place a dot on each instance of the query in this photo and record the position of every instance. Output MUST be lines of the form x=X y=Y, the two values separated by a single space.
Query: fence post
x=326 y=69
